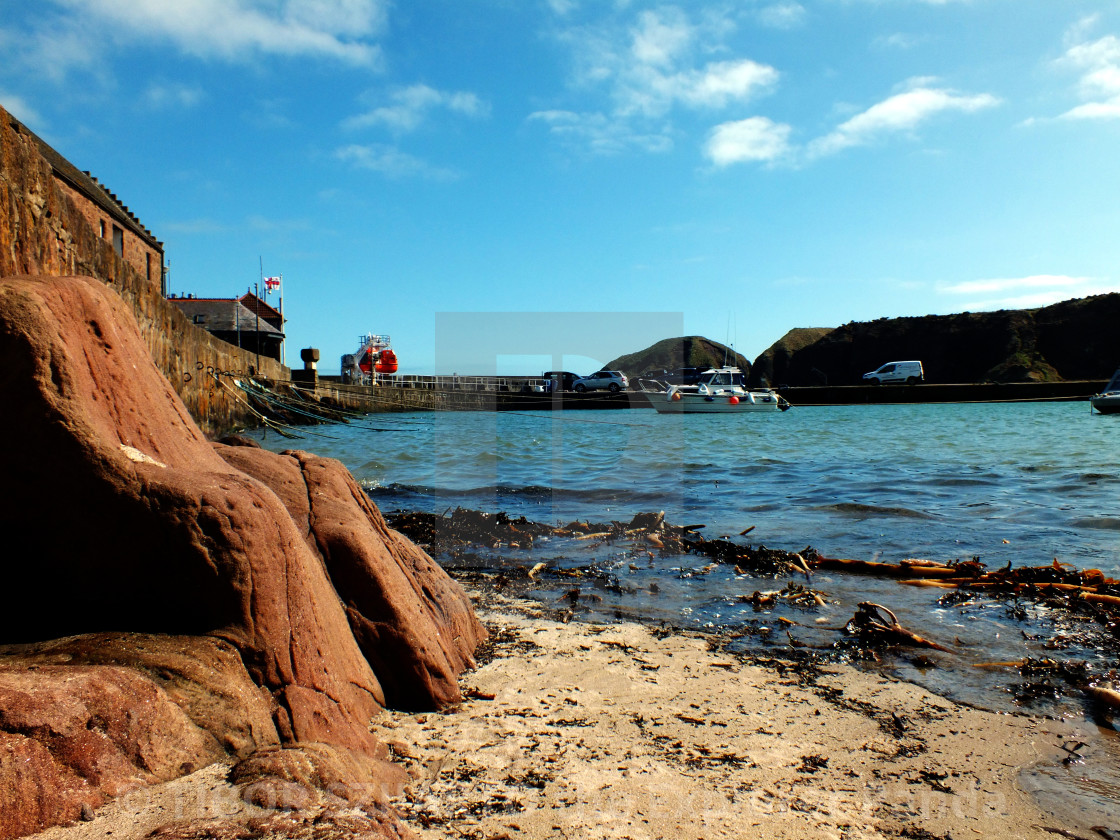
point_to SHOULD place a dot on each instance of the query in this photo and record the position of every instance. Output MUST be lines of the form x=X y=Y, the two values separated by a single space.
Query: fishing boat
x=1108 y=400
x=720 y=391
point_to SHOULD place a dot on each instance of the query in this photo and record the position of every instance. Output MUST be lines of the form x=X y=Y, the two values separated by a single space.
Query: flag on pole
x=271 y=283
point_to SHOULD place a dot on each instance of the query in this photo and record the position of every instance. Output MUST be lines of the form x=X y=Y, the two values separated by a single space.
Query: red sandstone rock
x=414 y=624
x=139 y=525
x=36 y=790
x=160 y=533
x=86 y=732
x=301 y=775
x=86 y=717
x=202 y=675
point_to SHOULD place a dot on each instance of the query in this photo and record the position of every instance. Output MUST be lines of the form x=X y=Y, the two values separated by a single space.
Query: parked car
x=605 y=380
x=562 y=380
x=908 y=372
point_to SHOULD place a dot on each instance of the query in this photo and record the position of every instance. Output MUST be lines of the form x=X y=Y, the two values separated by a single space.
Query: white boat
x=1108 y=400
x=719 y=391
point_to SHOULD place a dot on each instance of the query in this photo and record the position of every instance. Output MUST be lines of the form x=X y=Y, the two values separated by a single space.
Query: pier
x=468 y=393
x=512 y=393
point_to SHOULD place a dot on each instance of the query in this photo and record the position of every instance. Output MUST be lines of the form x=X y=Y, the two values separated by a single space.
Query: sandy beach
x=620 y=731
x=613 y=731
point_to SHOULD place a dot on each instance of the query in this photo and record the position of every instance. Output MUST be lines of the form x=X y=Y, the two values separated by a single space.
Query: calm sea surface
x=1020 y=483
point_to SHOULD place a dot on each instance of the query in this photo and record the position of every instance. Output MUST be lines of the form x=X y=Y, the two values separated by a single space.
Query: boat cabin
x=724 y=378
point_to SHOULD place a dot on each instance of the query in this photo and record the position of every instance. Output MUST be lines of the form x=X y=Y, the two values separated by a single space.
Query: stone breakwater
x=179 y=602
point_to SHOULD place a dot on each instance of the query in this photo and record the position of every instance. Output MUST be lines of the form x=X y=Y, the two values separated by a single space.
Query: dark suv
x=562 y=380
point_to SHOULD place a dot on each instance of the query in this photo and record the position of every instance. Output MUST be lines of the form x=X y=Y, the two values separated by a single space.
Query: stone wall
x=143 y=258
x=43 y=231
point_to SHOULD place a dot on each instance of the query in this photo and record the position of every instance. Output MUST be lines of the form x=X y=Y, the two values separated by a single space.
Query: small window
x=101 y=226
x=148 y=266
x=118 y=241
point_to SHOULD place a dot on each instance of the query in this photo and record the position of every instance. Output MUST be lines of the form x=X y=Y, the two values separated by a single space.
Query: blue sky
x=737 y=169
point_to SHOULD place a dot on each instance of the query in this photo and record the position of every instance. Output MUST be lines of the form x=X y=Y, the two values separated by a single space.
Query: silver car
x=605 y=380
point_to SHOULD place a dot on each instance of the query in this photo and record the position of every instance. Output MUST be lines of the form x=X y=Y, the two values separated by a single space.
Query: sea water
x=1018 y=483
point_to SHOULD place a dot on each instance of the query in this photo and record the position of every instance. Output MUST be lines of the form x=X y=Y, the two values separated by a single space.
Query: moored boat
x=1108 y=400
x=719 y=391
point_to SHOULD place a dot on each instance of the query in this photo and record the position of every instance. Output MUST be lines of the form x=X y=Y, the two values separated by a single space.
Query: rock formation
x=281 y=581
x=674 y=353
x=772 y=366
x=408 y=617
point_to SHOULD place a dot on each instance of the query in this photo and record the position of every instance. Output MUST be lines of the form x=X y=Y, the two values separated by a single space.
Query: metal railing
x=453 y=382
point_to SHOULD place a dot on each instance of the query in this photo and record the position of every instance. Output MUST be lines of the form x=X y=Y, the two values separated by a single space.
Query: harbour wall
x=389 y=398
x=434 y=396
x=43 y=232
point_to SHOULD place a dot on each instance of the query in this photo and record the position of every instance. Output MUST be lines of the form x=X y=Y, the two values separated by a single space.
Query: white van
x=908 y=372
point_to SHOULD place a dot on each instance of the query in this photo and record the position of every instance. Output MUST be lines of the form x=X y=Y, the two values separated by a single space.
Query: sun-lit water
x=1019 y=483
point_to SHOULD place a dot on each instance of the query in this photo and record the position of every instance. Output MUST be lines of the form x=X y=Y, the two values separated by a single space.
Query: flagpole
x=283 y=330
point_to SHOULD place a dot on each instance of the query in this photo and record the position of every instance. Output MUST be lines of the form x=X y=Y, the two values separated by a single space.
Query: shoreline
x=619 y=730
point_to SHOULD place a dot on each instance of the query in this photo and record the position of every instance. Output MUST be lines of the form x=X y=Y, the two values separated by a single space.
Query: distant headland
x=1067 y=341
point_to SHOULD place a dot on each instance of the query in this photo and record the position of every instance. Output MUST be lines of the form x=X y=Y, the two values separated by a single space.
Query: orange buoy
x=676 y=396
x=734 y=400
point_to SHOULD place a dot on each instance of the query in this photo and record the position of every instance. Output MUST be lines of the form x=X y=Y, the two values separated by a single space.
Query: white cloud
x=1026 y=292
x=650 y=64
x=600 y=133
x=1094 y=111
x=1098 y=63
x=232 y=30
x=661 y=37
x=1004 y=284
x=783 y=15
x=410 y=106
x=750 y=140
x=392 y=162
x=902 y=112
x=648 y=92
x=1081 y=30
x=727 y=81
